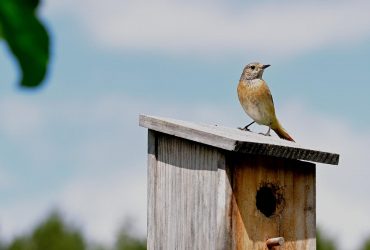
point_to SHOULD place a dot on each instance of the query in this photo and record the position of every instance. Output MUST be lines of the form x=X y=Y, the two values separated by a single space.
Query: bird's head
x=253 y=71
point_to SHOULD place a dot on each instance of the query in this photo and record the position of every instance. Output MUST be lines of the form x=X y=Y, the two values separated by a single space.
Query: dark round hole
x=266 y=201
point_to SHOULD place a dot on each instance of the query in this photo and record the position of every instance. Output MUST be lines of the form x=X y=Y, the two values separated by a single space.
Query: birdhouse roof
x=233 y=139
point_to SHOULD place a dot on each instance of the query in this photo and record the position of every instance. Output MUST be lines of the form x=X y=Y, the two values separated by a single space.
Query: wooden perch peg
x=274 y=242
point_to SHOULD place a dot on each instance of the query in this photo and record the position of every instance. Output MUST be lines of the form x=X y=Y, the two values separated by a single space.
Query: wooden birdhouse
x=213 y=187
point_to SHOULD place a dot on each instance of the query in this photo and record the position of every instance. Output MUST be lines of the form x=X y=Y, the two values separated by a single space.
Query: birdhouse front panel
x=271 y=197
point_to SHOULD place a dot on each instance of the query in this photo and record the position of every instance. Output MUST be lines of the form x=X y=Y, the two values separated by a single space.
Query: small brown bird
x=256 y=100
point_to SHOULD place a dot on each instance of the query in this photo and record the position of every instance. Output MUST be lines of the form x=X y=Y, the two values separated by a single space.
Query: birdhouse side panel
x=182 y=202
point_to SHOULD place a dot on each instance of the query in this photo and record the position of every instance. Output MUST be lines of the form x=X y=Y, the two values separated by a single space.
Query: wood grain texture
x=232 y=139
x=202 y=197
x=152 y=182
x=182 y=193
x=293 y=185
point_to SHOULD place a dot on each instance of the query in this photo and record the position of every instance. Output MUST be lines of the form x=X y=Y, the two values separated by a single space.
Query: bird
x=256 y=99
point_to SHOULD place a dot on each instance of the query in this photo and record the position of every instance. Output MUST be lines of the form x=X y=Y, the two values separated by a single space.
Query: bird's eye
x=253 y=67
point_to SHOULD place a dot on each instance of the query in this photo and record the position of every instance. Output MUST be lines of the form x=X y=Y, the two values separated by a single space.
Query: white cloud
x=216 y=27
x=108 y=180
x=101 y=203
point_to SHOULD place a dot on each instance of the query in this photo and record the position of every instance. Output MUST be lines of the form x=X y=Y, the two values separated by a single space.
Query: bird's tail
x=281 y=132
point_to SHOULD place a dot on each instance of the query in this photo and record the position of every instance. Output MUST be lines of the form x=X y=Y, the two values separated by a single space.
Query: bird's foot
x=267 y=133
x=244 y=129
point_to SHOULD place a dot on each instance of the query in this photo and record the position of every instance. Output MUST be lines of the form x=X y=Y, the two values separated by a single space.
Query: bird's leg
x=246 y=127
x=267 y=133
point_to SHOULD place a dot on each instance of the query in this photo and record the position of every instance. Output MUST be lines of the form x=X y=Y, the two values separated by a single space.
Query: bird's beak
x=266 y=66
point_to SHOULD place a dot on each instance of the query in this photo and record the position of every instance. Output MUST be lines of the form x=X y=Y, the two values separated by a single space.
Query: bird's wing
x=265 y=95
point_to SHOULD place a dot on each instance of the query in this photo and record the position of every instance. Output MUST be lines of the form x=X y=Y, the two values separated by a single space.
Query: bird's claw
x=265 y=134
x=244 y=129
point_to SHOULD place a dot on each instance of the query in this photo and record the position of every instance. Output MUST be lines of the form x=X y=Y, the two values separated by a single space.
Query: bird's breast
x=254 y=96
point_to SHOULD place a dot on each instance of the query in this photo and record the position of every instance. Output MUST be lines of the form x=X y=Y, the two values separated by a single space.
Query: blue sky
x=75 y=144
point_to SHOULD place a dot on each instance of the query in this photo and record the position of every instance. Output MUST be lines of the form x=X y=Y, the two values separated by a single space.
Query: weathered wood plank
x=224 y=196
x=232 y=139
x=182 y=190
x=152 y=179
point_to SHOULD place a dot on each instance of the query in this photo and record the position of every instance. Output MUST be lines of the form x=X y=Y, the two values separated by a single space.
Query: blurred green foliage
x=323 y=242
x=55 y=234
x=26 y=38
x=366 y=245
x=127 y=241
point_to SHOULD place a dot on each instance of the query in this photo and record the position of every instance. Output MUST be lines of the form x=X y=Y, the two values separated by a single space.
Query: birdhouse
x=213 y=187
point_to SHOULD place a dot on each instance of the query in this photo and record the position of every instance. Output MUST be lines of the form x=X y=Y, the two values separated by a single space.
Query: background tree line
x=55 y=234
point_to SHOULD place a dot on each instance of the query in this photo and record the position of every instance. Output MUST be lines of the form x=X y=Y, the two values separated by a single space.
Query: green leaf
x=1 y=32
x=27 y=38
